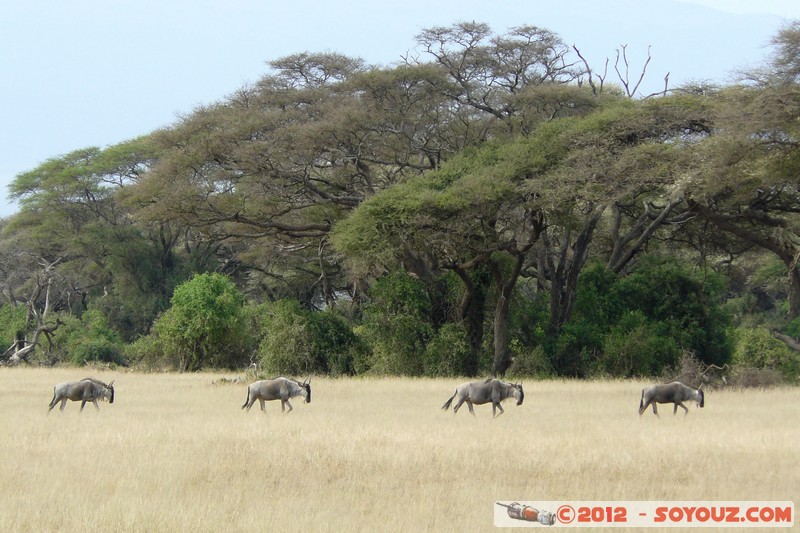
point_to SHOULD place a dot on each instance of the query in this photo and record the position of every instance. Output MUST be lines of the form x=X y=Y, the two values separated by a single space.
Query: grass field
x=176 y=453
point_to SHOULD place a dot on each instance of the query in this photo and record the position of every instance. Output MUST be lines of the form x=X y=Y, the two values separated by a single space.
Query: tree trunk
x=471 y=311
x=565 y=272
x=791 y=342
x=627 y=246
x=505 y=286
x=563 y=269
x=502 y=355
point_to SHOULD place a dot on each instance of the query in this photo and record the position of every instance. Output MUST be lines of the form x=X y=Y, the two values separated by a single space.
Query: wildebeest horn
x=112 y=382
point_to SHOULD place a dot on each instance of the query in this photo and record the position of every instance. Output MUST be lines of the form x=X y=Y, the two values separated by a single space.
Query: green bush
x=301 y=342
x=397 y=326
x=574 y=351
x=633 y=348
x=448 y=353
x=793 y=328
x=287 y=347
x=757 y=348
x=98 y=350
x=335 y=342
x=12 y=324
x=682 y=306
x=147 y=353
x=529 y=361
x=204 y=326
x=87 y=339
x=638 y=324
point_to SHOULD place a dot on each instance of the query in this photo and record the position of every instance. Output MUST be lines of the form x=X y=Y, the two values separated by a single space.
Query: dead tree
x=622 y=67
x=791 y=342
x=38 y=305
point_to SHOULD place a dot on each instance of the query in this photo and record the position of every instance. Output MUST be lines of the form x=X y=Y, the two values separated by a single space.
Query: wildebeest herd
x=492 y=391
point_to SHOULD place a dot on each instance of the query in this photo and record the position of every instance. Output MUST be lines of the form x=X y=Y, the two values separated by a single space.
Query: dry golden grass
x=176 y=453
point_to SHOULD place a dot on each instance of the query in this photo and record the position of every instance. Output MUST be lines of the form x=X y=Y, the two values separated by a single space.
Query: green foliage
x=683 y=306
x=638 y=324
x=131 y=312
x=87 y=339
x=634 y=348
x=448 y=353
x=530 y=361
x=412 y=171
x=12 y=324
x=147 y=353
x=98 y=350
x=793 y=328
x=300 y=342
x=757 y=348
x=203 y=325
x=397 y=326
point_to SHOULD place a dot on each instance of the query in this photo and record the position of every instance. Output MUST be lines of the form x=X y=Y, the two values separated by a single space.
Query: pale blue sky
x=78 y=73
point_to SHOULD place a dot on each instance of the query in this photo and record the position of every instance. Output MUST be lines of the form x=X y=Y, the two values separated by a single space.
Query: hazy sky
x=79 y=73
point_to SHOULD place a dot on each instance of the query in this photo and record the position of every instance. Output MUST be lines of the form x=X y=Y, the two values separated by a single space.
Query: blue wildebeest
x=481 y=392
x=675 y=393
x=85 y=390
x=277 y=389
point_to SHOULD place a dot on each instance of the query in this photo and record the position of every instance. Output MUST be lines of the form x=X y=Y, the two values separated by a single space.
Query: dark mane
x=96 y=381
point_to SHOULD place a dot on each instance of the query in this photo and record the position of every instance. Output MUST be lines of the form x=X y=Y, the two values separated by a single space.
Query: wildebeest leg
x=471 y=410
x=643 y=407
x=83 y=404
x=655 y=410
x=289 y=404
x=458 y=405
x=685 y=410
x=96 y=407
x=63 y=404
x=498 y=406
x=53 y=403
x=248 y=404
x=263 y=405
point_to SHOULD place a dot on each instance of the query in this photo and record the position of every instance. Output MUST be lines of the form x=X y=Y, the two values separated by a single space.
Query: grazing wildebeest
x=675 y=393
x=85 y=390
x=481 y=392
x=277 y=389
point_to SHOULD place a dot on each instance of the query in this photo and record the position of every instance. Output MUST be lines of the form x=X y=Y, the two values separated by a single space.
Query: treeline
x=491 y=204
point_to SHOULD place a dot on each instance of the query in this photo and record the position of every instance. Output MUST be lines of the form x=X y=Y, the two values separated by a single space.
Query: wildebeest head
x=702 y=401
x=519 y=394
x=307 y=387
x=111 y=390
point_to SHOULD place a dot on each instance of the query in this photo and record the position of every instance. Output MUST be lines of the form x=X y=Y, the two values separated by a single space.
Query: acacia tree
x=488 y=75
x=529 y=207
x=746 y=178
x=42 y=292
x=203 y=325
x=73 y=206
x=266 y=172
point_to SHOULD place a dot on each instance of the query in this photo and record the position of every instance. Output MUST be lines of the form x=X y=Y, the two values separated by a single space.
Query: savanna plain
x=176 y=453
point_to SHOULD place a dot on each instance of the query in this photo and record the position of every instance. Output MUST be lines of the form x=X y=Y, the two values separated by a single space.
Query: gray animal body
x=277 y=389
x=85 y=390
x=675 y=393
x=481 y=392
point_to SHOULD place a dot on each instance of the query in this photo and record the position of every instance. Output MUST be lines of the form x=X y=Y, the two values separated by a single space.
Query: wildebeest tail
x=446 y=405
x=641 y=403
x=248 y=397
